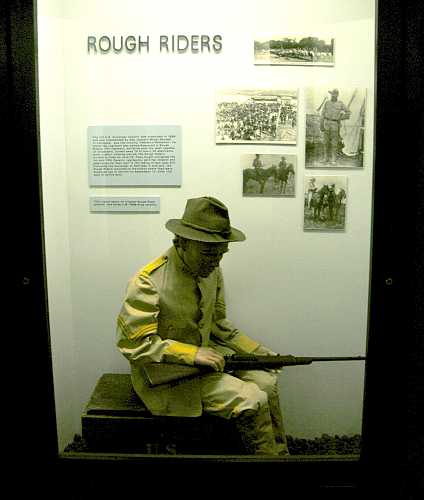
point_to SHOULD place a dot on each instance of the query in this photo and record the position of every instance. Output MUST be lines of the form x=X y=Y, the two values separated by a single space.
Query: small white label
x=124 y=203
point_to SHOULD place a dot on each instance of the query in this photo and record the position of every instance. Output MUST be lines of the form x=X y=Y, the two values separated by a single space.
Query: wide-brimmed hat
x=205 y=219
x=334 y=92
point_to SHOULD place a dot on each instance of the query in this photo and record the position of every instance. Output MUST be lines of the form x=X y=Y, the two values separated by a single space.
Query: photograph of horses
x=335 y=125
x=325 y=202
x=302 y=50
x=268 y=174
x=256 y=116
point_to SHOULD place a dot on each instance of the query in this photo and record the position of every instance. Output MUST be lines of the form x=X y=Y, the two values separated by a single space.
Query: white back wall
x=297 y=292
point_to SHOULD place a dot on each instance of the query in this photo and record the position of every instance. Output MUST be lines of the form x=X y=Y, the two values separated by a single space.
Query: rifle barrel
x=249 y=362
x=340 y=358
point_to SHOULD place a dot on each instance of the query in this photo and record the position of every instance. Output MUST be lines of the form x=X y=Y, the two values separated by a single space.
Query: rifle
x=165 y=373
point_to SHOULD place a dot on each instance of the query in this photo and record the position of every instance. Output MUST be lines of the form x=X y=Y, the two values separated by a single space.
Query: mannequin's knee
x=266 y=381
x=251 y=398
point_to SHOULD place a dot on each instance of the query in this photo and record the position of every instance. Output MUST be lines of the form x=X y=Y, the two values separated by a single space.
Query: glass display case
x=270 y=107
x=114 y=84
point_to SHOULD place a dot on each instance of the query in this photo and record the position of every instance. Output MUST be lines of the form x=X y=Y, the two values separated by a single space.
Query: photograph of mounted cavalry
x=325 y=202
x=295 y=50
x=335 y=125
x=256 y=116
x=268 y=174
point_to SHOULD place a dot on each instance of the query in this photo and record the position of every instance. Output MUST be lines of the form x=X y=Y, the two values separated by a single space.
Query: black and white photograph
x=335 y=126
x=269 y=174
x=303 y=50
x=325 y=202
x=256 y=116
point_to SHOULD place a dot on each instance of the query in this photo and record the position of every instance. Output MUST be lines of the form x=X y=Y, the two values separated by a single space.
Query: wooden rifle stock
x=170 y=373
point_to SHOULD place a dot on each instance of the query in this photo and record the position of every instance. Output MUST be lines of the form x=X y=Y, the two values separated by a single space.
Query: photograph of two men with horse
x=325 y=202
x=269 y=174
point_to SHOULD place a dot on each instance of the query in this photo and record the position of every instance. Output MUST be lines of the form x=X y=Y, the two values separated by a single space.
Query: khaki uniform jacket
x=332 y=113
x=166 y=315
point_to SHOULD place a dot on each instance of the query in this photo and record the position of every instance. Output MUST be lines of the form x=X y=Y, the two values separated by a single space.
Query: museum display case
x=136 y=117
x=271 y=108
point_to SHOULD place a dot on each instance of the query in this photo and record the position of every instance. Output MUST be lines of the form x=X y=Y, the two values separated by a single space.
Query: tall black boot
x=255 y=428
x=278 y=424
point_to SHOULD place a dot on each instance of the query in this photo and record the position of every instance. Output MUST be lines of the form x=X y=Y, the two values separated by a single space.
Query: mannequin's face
x=203 y=258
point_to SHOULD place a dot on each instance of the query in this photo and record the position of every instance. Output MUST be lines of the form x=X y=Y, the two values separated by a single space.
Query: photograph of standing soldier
x=310 y=191
x=333 y=112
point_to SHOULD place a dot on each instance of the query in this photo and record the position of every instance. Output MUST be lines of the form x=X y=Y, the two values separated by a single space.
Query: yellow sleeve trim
x=245 y=343
x=152 y=266
x=181 y=352
x=140 y=332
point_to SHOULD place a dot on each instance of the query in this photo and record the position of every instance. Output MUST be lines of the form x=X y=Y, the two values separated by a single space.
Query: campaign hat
x=205 y=219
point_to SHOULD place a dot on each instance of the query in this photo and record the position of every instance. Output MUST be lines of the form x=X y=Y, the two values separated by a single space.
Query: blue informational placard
x=134 y=155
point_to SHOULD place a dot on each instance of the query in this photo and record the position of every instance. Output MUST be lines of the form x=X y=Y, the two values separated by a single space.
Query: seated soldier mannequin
x=174 y=311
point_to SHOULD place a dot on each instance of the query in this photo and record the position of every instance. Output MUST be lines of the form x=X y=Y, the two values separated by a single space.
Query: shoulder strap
x=152 y=266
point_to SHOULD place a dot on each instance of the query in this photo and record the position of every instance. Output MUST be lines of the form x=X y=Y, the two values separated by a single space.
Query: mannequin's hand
x=207 y=356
